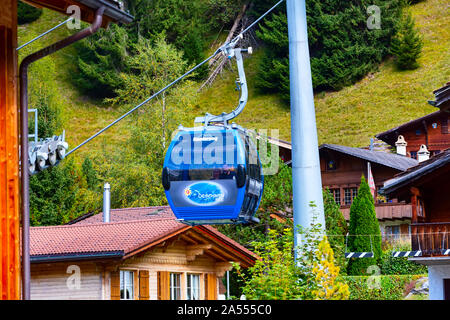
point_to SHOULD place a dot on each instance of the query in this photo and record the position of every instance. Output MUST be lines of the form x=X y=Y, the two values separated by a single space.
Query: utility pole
x=306 y=178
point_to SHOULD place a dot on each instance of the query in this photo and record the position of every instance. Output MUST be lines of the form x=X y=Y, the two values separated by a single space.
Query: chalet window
x=175 y=286
x=349 y=195
x=337 y=195
x=393 y=232
x=331 y=165
x=418 y=132
x=413 y=154
x=193 y=286
x=420 y=208
x=126 y=285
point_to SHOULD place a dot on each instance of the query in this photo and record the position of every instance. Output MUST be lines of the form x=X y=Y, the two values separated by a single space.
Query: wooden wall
x=349 y=170
x=100 y=281
x=55 y=281
x=9 y=162
x=174 y=258
x=435 y=138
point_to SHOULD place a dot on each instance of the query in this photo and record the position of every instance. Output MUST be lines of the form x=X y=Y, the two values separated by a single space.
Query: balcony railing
x=431 y=238
x=385 y=211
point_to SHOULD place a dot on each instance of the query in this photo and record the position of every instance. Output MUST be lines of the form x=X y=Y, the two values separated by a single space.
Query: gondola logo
x=204 y=193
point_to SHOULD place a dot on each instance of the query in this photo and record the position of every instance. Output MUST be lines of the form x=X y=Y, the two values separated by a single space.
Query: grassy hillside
x=80 y=116
x=351 y=116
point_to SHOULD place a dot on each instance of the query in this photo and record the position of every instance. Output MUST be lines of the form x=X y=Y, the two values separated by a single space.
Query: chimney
x=106 y=203
x=401 y=145
x=423 y=154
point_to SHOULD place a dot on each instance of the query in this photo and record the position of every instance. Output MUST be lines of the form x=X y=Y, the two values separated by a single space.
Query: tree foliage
x=187 y=25
x=364 y=231
x=342 y=48
x=407 y=44
x=329 y=286
x=59 y=194
x=135 y=172
x=336 y=228
x=27 y=13
x=278 y=275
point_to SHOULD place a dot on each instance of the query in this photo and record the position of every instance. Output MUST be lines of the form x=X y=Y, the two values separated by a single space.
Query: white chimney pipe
x=423 y=154
x=106 y=203
x=401 y=145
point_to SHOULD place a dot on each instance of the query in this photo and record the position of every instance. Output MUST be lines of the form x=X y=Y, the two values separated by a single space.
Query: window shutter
x=163 y=285
x=210 y=286
x=404 y=228
x=115 y=285
x=144 y=293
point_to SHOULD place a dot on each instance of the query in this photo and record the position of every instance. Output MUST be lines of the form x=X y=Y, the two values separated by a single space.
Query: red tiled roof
x=99 y=237
x=128 y=230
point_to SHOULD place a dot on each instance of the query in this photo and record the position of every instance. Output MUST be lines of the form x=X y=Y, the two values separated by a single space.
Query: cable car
x=213 y=175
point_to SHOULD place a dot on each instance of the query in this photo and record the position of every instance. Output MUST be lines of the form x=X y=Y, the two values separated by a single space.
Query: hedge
x=391 y=287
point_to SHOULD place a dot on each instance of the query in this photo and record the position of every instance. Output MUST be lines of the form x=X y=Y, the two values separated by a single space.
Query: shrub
x=27 y=13
x=277 y=274
x=390 y=287
x=399 y=266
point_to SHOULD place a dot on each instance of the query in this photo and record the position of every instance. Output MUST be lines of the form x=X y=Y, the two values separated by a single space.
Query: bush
x=390 y=287
x=400 y=266
x=27 y=13
x=278 y=274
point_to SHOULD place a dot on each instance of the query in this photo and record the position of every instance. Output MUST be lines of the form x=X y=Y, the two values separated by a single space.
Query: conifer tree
x=336 y=227
x=364 y=231
x=342 y=47
x=407 y=44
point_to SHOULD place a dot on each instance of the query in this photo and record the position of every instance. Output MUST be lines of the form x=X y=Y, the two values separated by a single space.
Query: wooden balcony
x=385 y=211
x=431 y=238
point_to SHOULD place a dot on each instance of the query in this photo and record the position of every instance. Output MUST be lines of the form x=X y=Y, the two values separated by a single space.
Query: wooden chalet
x=10 y=267
x=431 y=130
x=142 y=253
x=342 y=168
x=426 y=187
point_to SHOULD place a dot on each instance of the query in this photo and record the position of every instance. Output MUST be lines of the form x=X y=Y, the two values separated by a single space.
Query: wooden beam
x=188 y=239
x=222 y=267
x=9 y=155
x=215 y=255
x=426 y=132
x=196 y=250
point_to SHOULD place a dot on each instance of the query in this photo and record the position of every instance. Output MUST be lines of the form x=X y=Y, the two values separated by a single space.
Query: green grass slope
x=80 y=116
